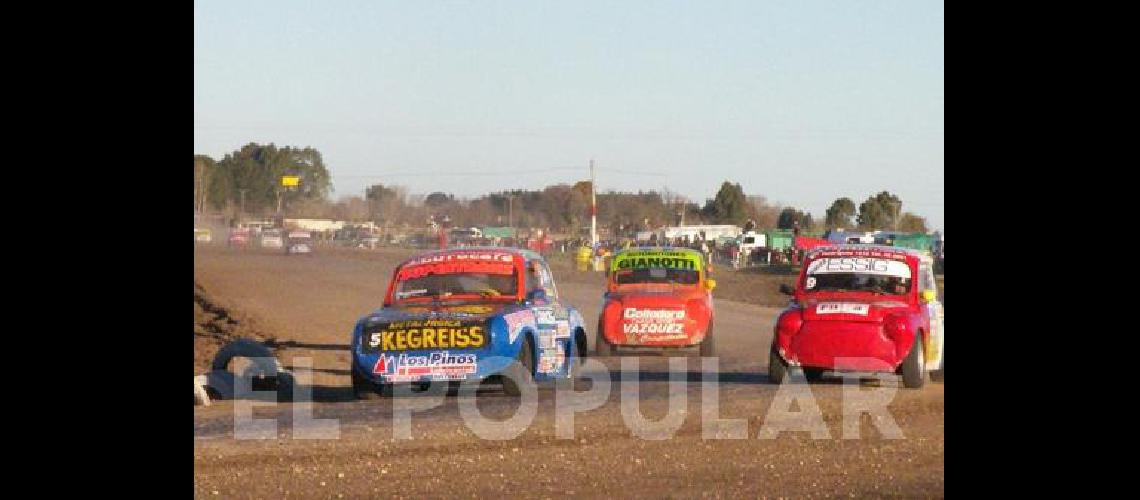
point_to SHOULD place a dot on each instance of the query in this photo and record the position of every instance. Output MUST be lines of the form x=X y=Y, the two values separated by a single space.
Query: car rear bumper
x=688 y=338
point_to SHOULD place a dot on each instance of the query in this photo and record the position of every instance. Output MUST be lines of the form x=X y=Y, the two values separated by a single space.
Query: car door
x=552 y=320
x=935 y=341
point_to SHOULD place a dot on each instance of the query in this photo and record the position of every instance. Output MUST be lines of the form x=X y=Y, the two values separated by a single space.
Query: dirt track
x=308 y=306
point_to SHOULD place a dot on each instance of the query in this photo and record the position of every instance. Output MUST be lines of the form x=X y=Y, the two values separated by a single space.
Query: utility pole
x=593 y=208
x=243 y=203
x=511 y=211
x=368 y=204
x=198 y=190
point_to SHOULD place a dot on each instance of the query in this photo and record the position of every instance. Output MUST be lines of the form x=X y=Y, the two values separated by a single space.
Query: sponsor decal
x=662 y=260
x=556 y=317
x=464 y=309
x=560 y=312
x=842 y=308
x=427 y=334
x=546 y=340
x=440 y=365
x=563 y=330
x=518 y=320
x=463 y=257
x=476 y=267
x=860 y=265
x=809 y=283
x=656 y=324
x=551 y=360
x=862 y=253
x=544 y=316
x=653 y=314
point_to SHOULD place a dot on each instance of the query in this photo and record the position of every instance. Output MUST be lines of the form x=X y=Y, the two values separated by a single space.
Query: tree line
x=248 y=181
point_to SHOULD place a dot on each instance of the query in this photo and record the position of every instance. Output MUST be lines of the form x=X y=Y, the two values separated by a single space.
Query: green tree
x=880 y=212
x=379 y=193
x=203 y=170
x=438 y=200
x=790 y=218
x=912 y=223
x=583 y=187
x=730 y=206
x=254 y=172
x=841 y=214
x=385 y=203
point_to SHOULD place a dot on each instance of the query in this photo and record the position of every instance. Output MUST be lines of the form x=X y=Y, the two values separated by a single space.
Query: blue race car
x=469 y=313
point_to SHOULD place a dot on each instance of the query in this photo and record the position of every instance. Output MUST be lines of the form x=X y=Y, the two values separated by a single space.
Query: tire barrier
x=264 y=373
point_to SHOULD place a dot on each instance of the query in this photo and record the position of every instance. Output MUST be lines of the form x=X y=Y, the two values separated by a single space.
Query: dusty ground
x=309 y=304
x=215 y=325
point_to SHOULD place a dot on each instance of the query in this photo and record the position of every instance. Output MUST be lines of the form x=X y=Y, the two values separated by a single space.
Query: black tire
x=813 y=374
x=265 y=372
x=258 y=354
x=913 y=371
x=601 y=346
x=363 y=388
x=581 y=346
x=521 y=370
x=777 y=368
x=284 y=387
x=708 y=346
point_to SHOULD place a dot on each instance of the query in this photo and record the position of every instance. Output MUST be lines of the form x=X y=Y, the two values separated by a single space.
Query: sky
x=801 y=101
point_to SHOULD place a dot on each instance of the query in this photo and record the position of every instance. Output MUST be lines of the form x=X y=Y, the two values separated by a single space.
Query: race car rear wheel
x=913 y=371
x=521 y=371
x=708 y=346
x=777 y=368
x=601 y=346
x=813 y=374
x=363 y=388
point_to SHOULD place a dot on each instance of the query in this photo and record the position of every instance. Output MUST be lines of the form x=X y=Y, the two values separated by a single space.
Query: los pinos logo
x=439 y=365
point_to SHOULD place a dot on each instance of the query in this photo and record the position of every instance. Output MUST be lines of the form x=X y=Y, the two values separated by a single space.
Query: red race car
x=861 y=308
x=657 y=298
x=240 y=237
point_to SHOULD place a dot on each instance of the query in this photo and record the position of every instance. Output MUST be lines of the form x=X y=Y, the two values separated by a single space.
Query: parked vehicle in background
x=240 y=237
x=271 y=238
x=464 y=236
x=657 y=298
x=370 y=242
x=861 y=308
x=298 y=242
x=749 y=245
x=202 y=236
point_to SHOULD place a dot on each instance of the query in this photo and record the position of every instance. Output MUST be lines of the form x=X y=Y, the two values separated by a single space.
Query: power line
x=475 y=173
x=628 y=172
x=467 y=173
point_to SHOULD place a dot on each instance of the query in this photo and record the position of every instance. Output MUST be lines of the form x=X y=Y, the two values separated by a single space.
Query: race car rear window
x=656 y=275
x=858 y=274
x=444 y=285
x=486 y=275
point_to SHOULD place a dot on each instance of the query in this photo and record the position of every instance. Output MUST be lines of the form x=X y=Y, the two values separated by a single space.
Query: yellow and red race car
x=657 y=298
